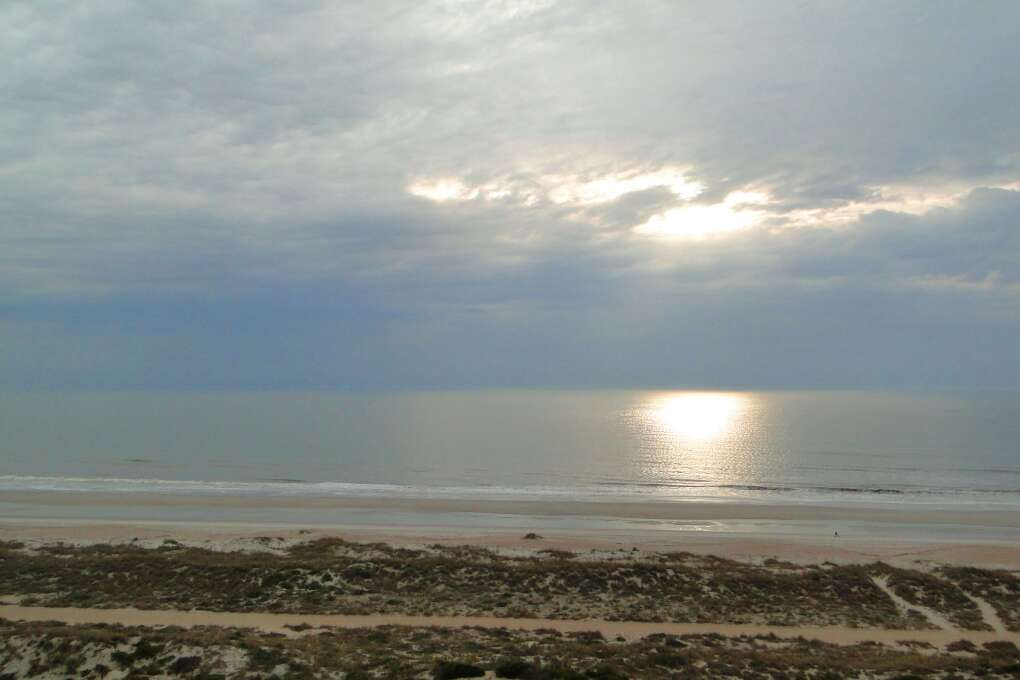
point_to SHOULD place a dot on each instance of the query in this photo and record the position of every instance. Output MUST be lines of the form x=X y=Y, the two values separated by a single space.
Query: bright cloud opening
x=612 y=187
x=735 y=213
x=560 y=189
x=905 y=199
x=443 y=190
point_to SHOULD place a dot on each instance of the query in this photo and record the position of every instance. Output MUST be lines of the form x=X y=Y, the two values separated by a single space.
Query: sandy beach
x=742 y=531
x=804 y=550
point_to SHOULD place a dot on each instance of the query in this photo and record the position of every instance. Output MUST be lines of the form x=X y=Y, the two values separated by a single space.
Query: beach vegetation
x=450 y=670
x=932 y=591
x=334 y=576
x=57 y=650
x=998 y=587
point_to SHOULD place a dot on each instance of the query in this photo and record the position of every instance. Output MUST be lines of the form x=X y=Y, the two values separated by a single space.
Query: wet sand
x=889 y=513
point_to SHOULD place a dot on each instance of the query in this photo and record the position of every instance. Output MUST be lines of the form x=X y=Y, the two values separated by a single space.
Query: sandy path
x=988 y=613
x=277 y=623
x=934 y=617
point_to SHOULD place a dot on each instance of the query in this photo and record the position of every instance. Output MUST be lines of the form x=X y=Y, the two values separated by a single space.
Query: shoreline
x=742 y=531
x=665 y=510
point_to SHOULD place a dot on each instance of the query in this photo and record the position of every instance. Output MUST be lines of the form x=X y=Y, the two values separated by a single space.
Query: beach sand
x=741 y=531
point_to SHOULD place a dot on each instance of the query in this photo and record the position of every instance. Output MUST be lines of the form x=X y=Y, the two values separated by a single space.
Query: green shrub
x=559 y=673
x=185 y=664
x=122 y=659
x=515 y=668
x=266 y=658
x=448 y=670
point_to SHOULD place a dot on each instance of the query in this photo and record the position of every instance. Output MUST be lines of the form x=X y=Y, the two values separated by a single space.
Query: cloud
x=299 y=192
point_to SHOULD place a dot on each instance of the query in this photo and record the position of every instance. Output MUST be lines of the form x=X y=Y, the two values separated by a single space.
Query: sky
x=460 y=194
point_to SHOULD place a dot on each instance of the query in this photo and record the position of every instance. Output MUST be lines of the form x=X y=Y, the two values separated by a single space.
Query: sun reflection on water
x=699 y=416
x=695 y=439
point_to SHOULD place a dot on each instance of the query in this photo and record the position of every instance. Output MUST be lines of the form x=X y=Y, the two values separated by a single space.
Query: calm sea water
x=842 y=447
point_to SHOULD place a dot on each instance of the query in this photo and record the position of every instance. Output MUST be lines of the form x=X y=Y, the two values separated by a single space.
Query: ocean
x=958 y=450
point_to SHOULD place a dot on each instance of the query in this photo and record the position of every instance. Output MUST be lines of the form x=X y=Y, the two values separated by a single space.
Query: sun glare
x=699 y=416
x=735 y=213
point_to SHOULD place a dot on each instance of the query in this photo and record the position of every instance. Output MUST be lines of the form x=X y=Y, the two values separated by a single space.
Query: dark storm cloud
x=458 y=193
